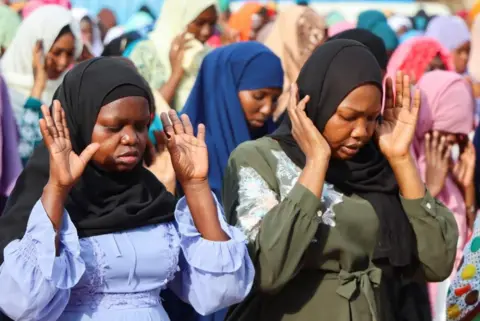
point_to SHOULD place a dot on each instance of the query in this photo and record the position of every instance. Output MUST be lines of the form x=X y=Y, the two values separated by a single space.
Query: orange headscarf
x=241 y=20
x=474 y=11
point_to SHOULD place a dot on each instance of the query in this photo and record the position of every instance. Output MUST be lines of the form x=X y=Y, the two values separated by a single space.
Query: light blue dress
x=118 y=277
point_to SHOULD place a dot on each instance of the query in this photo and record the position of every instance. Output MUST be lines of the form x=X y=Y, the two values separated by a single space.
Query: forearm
x=169 y=88
x=53 y=200
x=313 y=176
x=37 y=91
x=204 y=211
x=469 y=194
x=408 y=178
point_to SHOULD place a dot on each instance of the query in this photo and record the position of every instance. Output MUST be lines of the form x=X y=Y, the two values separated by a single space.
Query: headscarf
x=421 y=20
x=118 y=46
x=33 y=5
x=474 y=11
x=328 y=76
x=16 y=63
x=474 y=59
x=9 y=23
x=410 y=34
x=96 y=47
x=214 y=98
x=176 y=15
x=339 y=27
x=101 y=202
x=241 y=20
x=414 y=55
x=447 y=105
x=398 y=21
x=371 y=41
x=376 y=22
x=113 y=33
x=450 y=31
x=10 y=164
x=138 y=20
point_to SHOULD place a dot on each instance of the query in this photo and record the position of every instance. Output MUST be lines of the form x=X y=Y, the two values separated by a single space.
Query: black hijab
x=329 y=75
x=370 y=40
x=101 y=202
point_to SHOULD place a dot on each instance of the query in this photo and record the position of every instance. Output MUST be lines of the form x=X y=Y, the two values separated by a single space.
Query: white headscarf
x=96 y=47
x=44 y=24
x=397 y=22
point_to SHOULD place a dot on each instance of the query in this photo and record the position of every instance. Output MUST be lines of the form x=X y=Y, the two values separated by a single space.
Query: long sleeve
x=436 y=233
x=35 y=282
x=213 y=275
x=279 y=231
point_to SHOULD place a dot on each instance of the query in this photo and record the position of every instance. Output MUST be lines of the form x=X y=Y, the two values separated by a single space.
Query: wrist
x=400 y=161
x=176 y=75
x=37 y=91
x=56 y=190
x=195 y=186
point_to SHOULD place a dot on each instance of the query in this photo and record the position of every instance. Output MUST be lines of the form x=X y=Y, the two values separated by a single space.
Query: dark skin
x=258 y=105
x=203 y=26
x=436 y=64
x=60 y=56
x=460 y=57
x=86 y=27
x=120 y=133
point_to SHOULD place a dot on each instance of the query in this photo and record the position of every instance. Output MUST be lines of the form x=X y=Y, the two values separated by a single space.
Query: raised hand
x=66 y=166
x=464 y=170
x=437 y=158
x=40 y=76
x=160 y=162
x=188 y=153
x=307 y=136
x=397 y=129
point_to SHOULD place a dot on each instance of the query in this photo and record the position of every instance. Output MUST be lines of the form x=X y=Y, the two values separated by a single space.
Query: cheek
x=108 y=144
x=336 y=132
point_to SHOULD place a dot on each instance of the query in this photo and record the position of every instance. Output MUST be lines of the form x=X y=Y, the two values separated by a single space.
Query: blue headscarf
x=214 y=100
x=376 y=22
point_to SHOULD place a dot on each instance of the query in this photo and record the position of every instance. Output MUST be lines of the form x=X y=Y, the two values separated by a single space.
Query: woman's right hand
x=177 y=52
x=40 y=76
x=307 y=136
x=437 y=156
x=66 y=167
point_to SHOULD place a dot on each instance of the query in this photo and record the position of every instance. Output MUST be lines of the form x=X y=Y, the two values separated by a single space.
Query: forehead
x=208 y=13
x=364 y=98
x=126 y=108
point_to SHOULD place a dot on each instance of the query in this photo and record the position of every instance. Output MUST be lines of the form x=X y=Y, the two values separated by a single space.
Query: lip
x=258 y=123
x=349 y=150
x=129 y=158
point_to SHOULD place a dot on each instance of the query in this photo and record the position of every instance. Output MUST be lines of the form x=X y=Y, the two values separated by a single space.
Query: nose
x=266 y=109
x=206 y=31
x=129 y=136
x=360 y=131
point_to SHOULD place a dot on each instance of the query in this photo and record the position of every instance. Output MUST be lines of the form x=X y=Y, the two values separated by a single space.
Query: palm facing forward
x=397 y=129
x=189 y=153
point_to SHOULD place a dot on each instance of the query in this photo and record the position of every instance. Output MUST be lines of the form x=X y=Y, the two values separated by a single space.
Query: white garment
x=397 y=22
x=113 y=33
x=44 y=24
x=96 y=47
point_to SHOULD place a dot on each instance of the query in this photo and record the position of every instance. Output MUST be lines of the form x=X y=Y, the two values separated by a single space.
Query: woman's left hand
x=464 y=170
x=188 y=153
x=397 y=129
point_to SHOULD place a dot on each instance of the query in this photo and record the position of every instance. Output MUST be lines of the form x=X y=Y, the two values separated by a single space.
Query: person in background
x=74 y=234
x=171 y=56
x=474 y=66
x=376 y=22
x=339 y=27
x=446 y=158
x=334 y=17
x=297 y=31
x=34 y=66
x=473 y=12
x=106 y=21
x=339 y=221
x=409 y=35
x=91 y=36
x=10 y=165
x=400 y=24
x=371 y=41
x=419 y=55
x=33 y=5
x=9 y=23
x=452 y=32
x=249 y=18
x=420 y=20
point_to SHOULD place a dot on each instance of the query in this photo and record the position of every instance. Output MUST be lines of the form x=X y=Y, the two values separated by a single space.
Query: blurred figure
x=376 y=22
x=9 y=23
x=339 y=27
x=419 y=55
x=90 y=31
x=410 y=34
x=248 y=20
x=171 y=56
x=452 y=32
x=421 y=20
x=106 y=20
x=334 y=17
x=33 y=5
x=34 y=66
x=400 y=24
x=446 y=157
x=297 y=31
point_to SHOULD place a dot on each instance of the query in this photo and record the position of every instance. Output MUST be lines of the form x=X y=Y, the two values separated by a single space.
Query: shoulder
x=252 y=151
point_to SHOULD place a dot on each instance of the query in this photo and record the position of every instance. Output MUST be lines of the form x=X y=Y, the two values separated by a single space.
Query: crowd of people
x=261 y=164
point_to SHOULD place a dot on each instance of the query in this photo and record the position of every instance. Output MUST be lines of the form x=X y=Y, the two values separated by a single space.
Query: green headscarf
x=9 y=23
x=223 y=5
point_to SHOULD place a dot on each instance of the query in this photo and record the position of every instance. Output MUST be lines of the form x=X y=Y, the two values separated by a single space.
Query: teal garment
x=376 y=22
x=223 y=5
x=30 y=135
x=334 y=17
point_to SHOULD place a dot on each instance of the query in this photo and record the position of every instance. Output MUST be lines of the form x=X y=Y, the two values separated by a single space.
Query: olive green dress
x=313 y=258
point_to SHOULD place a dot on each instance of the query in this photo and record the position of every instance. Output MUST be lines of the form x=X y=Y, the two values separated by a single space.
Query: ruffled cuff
x=36 y=250
x=210 y=256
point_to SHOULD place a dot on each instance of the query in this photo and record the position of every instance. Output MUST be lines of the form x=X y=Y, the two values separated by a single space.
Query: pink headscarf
x=447 y=105
x=415 y=54
x=338 y=27
x=32 y=5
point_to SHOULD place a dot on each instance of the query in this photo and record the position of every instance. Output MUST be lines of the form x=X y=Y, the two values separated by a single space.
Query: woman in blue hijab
x=234 y=95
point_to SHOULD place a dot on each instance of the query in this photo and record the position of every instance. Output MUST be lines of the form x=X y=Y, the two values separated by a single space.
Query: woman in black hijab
x=89 y=232
x=370 y=40
x=339 y=221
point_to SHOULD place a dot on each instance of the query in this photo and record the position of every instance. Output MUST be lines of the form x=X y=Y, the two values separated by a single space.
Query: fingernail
x=168 y=135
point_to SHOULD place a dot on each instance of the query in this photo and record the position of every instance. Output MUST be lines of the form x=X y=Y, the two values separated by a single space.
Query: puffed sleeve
x=213 y=275
x=436 y=233
x=35 y=283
